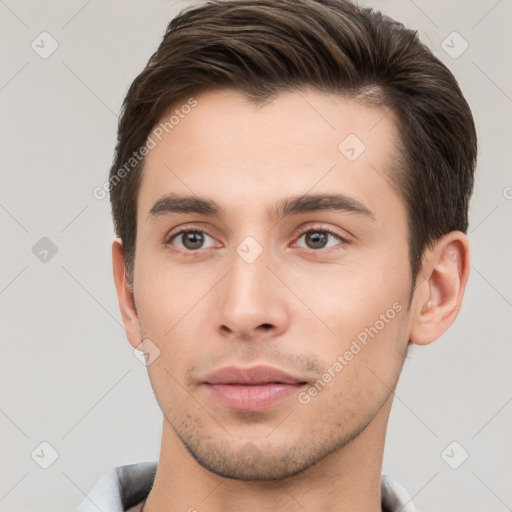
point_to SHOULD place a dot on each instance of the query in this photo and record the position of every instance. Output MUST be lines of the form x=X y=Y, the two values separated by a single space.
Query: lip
x=251 y=389
x=253 y=375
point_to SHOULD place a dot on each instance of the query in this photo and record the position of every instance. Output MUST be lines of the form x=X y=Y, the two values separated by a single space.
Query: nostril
x=266 y=326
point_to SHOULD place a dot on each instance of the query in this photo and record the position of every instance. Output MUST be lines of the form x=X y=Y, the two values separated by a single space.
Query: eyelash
x=319 y=229
x=317 y=252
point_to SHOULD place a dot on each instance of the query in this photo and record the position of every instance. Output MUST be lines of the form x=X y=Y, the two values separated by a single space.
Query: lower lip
x=252 y=397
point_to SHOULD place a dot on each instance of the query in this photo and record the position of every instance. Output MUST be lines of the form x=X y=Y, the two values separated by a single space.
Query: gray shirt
x=124 y=489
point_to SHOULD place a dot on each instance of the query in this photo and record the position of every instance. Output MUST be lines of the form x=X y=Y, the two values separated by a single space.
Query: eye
x=192 y=240
x=319 y=239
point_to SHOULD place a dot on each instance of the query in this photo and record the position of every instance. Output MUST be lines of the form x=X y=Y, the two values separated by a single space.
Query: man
x=290 y=192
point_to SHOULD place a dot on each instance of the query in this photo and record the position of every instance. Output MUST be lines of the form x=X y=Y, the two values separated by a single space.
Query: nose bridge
x=250 y=298
x=248 y=280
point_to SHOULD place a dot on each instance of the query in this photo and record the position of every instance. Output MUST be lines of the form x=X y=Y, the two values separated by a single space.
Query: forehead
x=227 y=147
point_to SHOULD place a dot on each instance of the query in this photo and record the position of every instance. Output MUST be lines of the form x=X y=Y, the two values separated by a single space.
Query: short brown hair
x=261 y=48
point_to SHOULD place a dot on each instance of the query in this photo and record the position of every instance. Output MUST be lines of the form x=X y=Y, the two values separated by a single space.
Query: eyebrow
x=178 y=203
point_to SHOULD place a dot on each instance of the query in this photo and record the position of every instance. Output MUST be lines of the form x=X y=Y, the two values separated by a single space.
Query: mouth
x=252 y=389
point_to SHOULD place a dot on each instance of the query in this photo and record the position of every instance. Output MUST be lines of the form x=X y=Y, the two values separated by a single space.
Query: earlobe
x=438 y=297
x=124 y=295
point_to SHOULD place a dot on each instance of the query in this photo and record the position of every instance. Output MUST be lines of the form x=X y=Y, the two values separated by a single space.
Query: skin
x=297 y=307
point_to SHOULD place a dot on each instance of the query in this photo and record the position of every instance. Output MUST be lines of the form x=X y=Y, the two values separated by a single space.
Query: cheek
x=162 y=293
x=348 y=299
x=361 y=366
x=363 y=339
x=173 y=310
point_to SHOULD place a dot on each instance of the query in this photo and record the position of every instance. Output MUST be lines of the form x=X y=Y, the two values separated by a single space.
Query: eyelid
x=186 y=228
x=324 y=229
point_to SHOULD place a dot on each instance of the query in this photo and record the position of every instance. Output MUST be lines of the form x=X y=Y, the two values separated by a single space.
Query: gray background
x=69 y=376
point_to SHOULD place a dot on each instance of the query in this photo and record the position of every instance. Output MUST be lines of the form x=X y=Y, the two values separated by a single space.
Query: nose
x=251 y=301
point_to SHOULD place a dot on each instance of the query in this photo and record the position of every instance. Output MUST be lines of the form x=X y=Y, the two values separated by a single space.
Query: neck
x=346 y=480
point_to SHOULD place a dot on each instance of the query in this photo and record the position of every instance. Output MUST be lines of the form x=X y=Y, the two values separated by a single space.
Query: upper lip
x=253 y=375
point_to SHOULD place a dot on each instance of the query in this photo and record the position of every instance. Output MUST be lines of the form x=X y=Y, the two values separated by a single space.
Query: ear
x=125 y=296
x=441 y=284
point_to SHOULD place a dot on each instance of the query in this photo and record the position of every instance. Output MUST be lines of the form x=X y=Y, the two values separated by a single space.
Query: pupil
x=316 y=240
x=193 y=240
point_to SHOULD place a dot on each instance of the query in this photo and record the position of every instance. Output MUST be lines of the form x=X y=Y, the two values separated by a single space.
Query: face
x=272 y=274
